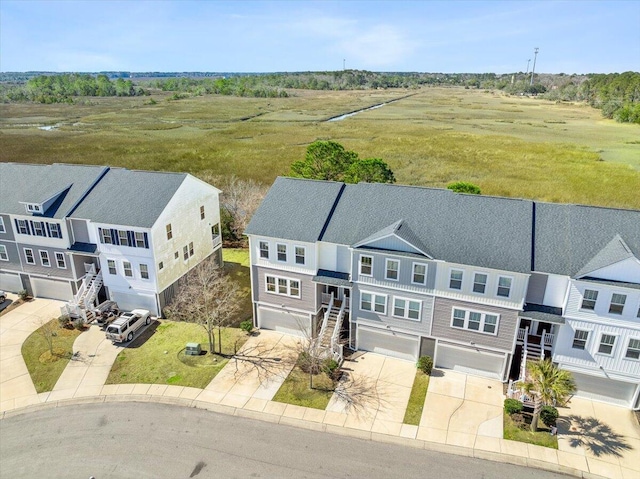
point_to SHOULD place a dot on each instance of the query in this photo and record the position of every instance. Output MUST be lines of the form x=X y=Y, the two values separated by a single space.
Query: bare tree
x=48 y=330
x=206 y=296
x=357 y=393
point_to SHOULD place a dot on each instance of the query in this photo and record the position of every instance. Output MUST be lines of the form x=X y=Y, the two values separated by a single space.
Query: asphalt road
x=138 y=440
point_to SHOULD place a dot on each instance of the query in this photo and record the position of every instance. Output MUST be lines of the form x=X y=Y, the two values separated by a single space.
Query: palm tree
x=548 y=384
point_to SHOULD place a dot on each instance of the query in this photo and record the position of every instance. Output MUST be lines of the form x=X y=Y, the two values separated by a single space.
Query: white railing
x=523 y=365
x=336 y=347
x=347 y=302
x=86 y=279
x=521 y=334
x=548 y=339
x=92 y=292
x=325 y=320
x=217 y=240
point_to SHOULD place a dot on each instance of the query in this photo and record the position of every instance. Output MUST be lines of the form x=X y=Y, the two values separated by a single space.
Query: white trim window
x=106 y=236
x=617 y=303
x=373 y=302
x=455 y=279
x=190 y=249
x=607 y=343
x=44 y=258
x=2 y=228
x=3 y=253
x=407 y=308
x=23 y=228
x=28 y=255
x=580 y=338
x=282 y=252
x=111 y=265
x=144 y=271
x=169 y=231
x=589 y=299
x=282 y=286
x=128 y=270
x=479 y=283
x=264 y=249
x=392 y=269
x=61 y=261
x=139 y=239
x=366 y=265
x=202 y=215
x=54 y=229
x=123 y=238
x=633 y=349
x=504 y=286
x=185 y=253
x=300 y=254
x=419 y=274
x=38 y=228
x=476 y=321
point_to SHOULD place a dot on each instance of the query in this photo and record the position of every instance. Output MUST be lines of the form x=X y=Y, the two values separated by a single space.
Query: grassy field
x=157 y=356
x=45 y=369
x=540 y=437
x=295 y=390
x=413 y=414
x=510 y=146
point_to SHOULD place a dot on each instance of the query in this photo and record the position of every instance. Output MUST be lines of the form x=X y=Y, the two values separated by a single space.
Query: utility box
x=193 y=349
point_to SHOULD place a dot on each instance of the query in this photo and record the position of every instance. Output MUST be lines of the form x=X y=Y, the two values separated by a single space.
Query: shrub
x=425 y=364
x=549 y=415
x=78 y=324
x=64 y=321
x=23 y=294
x=332 y=368
x=247 y=326
x=512 y=406
x=464 y=187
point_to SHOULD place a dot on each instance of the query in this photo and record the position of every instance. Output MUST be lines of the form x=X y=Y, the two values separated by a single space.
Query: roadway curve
x=144 y=440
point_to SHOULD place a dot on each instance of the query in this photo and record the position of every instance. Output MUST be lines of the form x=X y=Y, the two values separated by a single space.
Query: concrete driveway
x=16 y=388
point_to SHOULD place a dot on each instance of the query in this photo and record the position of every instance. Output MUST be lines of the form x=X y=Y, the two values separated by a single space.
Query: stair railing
x=326 y=317
x=336 y=347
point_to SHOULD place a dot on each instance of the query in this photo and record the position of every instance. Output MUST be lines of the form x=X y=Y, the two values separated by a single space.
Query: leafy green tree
x=548 y=384
x=324 y=160
x=370 y=170
x=464 y=187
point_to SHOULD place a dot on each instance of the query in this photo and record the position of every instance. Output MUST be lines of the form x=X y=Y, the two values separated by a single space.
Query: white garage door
x=283 y=321
x=471 y=361
x=129 y=302
x=603 y=389
x=10 y=282
x=397 y=345
x=47 y=288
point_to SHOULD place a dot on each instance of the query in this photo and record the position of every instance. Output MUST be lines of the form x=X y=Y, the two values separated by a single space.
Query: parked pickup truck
x=123 y=328
x=106 y=312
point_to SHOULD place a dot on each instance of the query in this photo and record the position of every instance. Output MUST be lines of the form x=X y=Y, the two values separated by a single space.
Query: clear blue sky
x=247 y=36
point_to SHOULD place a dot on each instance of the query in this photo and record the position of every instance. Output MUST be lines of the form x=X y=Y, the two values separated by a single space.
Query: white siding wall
x=42 y=240
x=627 y=270
x=556 y=291
x=601 y=311
x=309 y=266
x=327 y=256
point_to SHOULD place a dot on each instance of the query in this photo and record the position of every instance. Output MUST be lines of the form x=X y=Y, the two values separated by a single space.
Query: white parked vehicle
x=3 y=297
x=124 y=328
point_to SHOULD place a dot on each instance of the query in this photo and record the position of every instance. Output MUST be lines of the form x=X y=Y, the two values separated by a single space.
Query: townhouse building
x=482 y=284
x=84 y=234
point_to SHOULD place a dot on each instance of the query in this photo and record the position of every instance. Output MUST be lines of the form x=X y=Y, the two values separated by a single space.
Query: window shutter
x=100 y=235
x=48 y=230
x=114 y=236
x=60 y=231
x=30 y=225
x=17 y=226
x=146 y=241
x=132 y=239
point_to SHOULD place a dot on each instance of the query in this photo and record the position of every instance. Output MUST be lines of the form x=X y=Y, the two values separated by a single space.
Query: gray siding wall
x=14 y=259
x=406 y=270
x=43 y=270
x=307 y=300
x=79 y=261
x=8 y=229
x=423 y=326
x=80 y=231
x=506 y=327
x=537 y=287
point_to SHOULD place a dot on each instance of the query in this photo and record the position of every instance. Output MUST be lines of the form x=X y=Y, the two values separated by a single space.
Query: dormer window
x=33 y=208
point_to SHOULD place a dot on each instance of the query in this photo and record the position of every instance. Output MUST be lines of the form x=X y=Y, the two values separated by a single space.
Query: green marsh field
x=509 y=146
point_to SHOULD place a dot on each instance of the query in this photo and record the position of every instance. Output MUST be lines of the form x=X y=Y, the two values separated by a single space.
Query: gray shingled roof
x=399 y=229
x=295 y=209
x=38 y=183
x=614 y=252
x=568 y=237
x=130 y=197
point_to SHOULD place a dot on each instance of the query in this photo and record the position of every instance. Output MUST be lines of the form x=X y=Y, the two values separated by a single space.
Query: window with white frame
x=299 y=250
x=373 y=302
x=202 y=216
x=589 y=299
x=23 y=228
x=28 y=254
x=633 y=349
x=455 y=279
x=44 y=258
x=479 y=283
x=3 y=253
x=419 y=275
x=61 y=261
x=617 y=303
x=128 y=270
x=486 y=323
x=190 y=249
x=111 y=264
x=607 y=341
x=366 y=265
x=580 y=338
x=169 y=231
x=2 y=228
x=504 y=286
x=407 y=308
x=123 y=238
x=185 y=252
x=392 y=269
x=144 y=271
x=106 y=236
x=282 y=286
x=282 y=252
x=38 y=228
x=264 y=250
x=54 y=229
x=139 y=239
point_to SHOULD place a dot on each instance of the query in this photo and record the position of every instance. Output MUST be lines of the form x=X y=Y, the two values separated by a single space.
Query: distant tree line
x=245 y=86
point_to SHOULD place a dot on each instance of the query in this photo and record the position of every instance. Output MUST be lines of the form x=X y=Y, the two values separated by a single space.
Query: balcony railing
x=217 y=240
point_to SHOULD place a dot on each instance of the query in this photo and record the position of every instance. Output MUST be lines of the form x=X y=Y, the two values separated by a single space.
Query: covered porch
x=334 y=295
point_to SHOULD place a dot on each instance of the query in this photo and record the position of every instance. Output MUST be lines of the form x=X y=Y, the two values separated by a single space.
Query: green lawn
x=295 y=390
x=45 y=369
x=540 y=438
x=157 y=357
x=236 y=262
x=416 y=400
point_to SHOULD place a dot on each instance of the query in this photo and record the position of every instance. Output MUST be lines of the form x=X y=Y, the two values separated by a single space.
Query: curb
x=314 y=426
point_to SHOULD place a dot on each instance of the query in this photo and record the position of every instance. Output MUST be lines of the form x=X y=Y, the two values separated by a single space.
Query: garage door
x=283 y=321
x=129 y=302
x=603 y=389
x=397 y=345
x=10 y=282
x=471 y=361
x=47 y=288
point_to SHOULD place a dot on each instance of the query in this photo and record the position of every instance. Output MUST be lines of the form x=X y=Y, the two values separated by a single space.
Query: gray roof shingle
x=614 y=252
